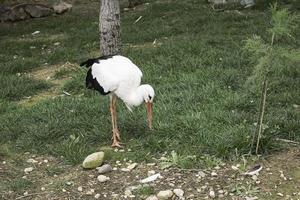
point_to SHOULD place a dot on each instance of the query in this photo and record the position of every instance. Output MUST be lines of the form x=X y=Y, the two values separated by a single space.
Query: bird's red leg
x=117 y=133
x=113 y=120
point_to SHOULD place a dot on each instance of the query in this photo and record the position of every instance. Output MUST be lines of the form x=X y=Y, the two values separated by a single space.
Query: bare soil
x=52 y=179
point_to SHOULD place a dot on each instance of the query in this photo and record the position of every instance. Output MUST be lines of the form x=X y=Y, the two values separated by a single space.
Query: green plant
x=176 y=160
x=145 y=190
x=242 y=190
x=271 y=60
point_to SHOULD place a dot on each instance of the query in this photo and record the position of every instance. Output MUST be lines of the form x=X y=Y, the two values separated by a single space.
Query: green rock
x=94 y=160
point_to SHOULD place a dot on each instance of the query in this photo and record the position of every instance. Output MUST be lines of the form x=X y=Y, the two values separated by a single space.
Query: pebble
x=25 y=193
x=90 y=192
x=201 y=174
x=64 y=190
x=43 y=189
x=80 y=189
x=128 y=192
x=254 y=177
x=68 y=183
x=151 y=164
x=31 y=160
x=132 y=166
x=178 y=192
x=97 y=196
x=56 y=43
x=150 y=178
x=151 y=172
x=102 y=178
x=28 y=169
x=214 y=174
x=235 y=168
x=104 y=169
x=152 y=197
x=125 y=170
x=212 y=194
x=165 y=194
x=279 y=194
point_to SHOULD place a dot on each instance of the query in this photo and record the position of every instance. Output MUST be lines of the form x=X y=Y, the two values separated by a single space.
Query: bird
x=118 y=77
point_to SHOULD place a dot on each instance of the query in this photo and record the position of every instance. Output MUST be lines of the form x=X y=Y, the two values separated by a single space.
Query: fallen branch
x=288 y=141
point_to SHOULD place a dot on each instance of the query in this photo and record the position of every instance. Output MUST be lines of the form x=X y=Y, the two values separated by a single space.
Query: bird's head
x=148 y=95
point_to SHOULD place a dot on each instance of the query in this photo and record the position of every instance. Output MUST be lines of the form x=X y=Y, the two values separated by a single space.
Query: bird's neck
x=134 y=98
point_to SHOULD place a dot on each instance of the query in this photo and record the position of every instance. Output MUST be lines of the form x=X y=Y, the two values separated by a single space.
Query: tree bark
x=109 y=26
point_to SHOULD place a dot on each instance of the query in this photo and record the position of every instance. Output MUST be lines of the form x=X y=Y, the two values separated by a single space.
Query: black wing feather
x=88 y=63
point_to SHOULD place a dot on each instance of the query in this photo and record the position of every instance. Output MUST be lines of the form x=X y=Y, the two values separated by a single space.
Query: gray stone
x=24 y=11
x=62 y=7
x=38 y=10
x=3 y=9
x=14 y=15
x=102 y=178
x=104 y=169
x=178 y=192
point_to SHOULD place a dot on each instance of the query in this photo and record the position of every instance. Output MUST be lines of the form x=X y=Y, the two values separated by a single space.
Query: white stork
x=119 y=77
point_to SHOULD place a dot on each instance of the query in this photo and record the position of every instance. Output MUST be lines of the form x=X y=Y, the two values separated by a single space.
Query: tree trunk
x=109 y=26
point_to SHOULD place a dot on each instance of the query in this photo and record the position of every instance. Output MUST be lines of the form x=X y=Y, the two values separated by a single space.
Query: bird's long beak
x=149 y=114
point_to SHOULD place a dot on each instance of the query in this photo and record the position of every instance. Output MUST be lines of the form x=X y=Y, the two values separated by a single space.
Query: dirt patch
x=52 y=179
x=56 y=75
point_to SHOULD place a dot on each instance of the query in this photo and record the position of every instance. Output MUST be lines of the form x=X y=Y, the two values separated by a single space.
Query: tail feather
x=88 y=63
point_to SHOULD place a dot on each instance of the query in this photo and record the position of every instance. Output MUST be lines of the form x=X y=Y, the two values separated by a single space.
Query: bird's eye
x=149 y=97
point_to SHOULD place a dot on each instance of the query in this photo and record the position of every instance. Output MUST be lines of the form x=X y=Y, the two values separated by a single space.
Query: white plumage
x=119 y=76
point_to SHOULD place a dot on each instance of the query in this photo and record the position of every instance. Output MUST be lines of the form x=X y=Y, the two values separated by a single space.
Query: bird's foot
x=116 y=144
x=116 y=134
x=116 y=139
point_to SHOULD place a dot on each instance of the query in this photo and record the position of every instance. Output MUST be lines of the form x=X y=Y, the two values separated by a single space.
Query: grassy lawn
x=198 y=68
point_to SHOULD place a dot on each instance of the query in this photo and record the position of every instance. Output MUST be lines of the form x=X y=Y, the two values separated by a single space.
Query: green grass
x=145 y=190
x=198 y=72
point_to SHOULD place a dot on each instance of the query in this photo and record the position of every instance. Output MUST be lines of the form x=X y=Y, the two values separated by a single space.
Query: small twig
x=288 y=141
x=262 y=112
x=66 y=93
x=154 y=42
x=273 y=37
x=138 y=19
x=33 y=194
